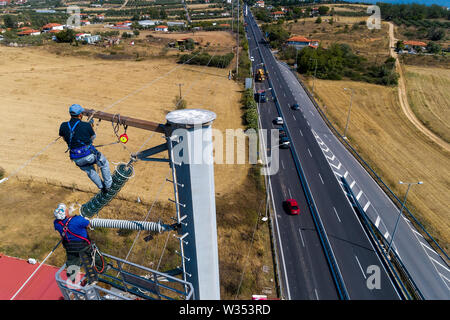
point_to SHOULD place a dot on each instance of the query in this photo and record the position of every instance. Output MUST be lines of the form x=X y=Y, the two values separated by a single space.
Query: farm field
x=394 y=147
x=429 y=97
x=40 y=85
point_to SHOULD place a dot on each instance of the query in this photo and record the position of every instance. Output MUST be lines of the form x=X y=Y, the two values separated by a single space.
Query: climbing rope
x=34 y=272
x=95 y=251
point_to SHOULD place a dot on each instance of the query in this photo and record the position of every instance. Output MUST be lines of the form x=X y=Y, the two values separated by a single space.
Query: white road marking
x=301 y=237
x=359 y=195
x=321 y=178
x=317 y=296
x=311 y=112
x=377 y=222
x=337 y=167
x=386 y=235
x=309 y=153
x=337 y=214
x=345 y=174
x=366 y=206
x=290 y=195
x=415 y=231
x=301 y=132
x=282 y=164
x=361 y=267
x=353 y=183
x=338 y=174
x=330 y=158
x=439 y=263
x=294 y=117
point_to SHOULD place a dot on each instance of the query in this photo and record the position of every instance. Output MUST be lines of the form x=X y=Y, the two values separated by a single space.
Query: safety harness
x=66 y=229
x=92 y=245
x=80 y=152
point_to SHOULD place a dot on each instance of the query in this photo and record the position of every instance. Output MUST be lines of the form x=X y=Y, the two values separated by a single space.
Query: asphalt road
x=306 y=273
x=427 y=268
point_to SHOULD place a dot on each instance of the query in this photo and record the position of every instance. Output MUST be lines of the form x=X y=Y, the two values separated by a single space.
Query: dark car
x=282 y=133
x=295 y=106
x=284 y=142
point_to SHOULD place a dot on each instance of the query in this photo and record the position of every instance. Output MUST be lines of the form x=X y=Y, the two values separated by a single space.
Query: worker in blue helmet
x=79 y=136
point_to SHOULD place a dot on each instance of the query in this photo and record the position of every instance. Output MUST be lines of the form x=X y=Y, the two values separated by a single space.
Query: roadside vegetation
x=205 y=59
x=338 y=62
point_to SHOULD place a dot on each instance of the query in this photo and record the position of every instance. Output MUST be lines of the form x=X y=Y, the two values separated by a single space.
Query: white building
x=162 y=28
x=148 y=23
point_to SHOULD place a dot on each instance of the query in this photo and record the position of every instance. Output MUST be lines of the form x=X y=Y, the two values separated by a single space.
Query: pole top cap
x=190 y=117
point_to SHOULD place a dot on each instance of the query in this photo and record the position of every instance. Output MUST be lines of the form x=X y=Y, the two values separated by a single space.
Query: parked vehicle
x=295 y=106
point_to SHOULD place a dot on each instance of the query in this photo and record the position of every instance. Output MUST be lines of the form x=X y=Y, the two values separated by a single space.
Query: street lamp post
x=348 y=115
x=400 y=213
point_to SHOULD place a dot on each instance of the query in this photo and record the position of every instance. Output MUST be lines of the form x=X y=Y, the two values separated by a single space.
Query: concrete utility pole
x=191 y=157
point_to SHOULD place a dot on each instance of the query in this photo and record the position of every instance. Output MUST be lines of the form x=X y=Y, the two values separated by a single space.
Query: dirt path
x=403 y=98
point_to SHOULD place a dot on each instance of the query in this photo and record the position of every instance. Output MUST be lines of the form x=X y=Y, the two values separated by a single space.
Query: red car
x=292 y=206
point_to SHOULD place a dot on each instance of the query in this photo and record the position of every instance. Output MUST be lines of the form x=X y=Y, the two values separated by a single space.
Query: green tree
x=434 y=47
x=67 y=35
x=399 y=45
x=10 y=21
x=318 y=20
x=436 y=34
x=323 y=10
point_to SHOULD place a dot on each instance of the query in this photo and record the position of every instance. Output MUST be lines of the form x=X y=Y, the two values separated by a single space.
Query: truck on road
x=260 y=75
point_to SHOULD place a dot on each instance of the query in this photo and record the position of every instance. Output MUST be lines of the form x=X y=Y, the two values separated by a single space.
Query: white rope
x=32 y=275
x=29 y=161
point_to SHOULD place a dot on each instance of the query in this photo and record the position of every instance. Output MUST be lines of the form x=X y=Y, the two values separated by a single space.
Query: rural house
x=52 y=26
x=162 y=28
x=300 y=42
x=277 y=14
x=29 y=32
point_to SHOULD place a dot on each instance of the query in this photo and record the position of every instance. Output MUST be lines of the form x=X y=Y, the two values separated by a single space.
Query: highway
x=304 y=268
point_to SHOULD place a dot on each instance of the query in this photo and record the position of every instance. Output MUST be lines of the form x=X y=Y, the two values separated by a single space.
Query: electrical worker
x=79 y=136
x=75 y=239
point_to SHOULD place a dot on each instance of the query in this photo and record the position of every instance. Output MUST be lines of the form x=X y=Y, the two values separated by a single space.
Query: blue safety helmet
x=75 y=109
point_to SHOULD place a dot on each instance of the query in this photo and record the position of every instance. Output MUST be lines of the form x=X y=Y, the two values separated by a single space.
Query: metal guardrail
x=337 y=277
x=376 y=235
x=367 y=166
x=149 y=284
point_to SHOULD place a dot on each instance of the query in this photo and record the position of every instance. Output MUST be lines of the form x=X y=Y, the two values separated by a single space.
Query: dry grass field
x=429 y=97
x=39 y=84
x=394 y=147
x=373 y=45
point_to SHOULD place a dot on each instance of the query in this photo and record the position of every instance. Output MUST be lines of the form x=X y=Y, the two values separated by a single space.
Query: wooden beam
x=127 y=121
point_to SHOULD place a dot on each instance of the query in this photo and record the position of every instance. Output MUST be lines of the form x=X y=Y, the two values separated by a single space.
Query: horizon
x=445 y=3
